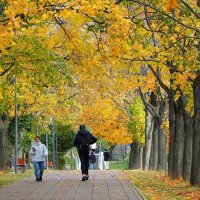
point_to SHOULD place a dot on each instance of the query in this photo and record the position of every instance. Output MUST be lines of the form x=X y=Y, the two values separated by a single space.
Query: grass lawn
x=156 y=186
x=10 y=177
x=118 y=165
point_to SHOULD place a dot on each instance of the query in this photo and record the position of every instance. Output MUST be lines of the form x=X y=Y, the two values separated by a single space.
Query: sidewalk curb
x=137 y=189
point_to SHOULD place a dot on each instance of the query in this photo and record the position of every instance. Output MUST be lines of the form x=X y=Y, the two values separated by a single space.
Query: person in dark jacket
x=106 y=156
x=82 y=141
x=92 y=159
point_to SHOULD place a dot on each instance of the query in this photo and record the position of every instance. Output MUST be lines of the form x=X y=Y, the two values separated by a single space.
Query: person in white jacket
x=38 y=152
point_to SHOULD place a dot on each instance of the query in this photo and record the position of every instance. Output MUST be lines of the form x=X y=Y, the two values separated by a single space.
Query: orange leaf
x=171 y=4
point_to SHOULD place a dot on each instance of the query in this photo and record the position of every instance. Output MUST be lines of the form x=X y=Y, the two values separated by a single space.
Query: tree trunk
x=1 y=150
x=154 y=147
x=143 y=158
x=195 y=170
x=179 y=140
x=162 y=156
x=187 y=154
x=4 y=148
x=176 y=147
x=162 y=138
x=172 y=133
x=130 y=165
x=148 y=138
x=135 y=156
x=111 y=151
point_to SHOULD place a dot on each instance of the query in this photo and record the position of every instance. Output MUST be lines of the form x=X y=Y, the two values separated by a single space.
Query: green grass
x=9 y=177
x=119 y=165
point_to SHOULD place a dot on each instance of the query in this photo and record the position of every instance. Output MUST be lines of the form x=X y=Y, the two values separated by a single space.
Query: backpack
x=84 y=142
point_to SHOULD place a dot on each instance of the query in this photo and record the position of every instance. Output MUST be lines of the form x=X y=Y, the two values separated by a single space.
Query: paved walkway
x=66 y=185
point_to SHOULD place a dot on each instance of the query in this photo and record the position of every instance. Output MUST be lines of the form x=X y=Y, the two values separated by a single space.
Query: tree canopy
x=83 y=61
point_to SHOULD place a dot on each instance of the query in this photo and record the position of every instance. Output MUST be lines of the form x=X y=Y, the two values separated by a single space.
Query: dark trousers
x=84 y=157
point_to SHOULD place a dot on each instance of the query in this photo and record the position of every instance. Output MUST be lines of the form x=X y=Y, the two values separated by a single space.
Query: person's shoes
x=40 y=179
x=37 y=179
x=86 y=177
x=83 y=178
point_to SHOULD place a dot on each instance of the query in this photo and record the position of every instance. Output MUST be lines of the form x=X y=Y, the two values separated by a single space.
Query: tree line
x=91 y=60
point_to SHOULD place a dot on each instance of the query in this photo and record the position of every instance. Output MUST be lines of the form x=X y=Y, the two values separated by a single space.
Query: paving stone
x=67 y=185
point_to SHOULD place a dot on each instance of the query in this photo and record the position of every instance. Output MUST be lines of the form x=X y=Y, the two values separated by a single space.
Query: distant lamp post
x=56 y=146
x=53 y=142
x=16 y=135
x=47 y=161
x=100 y=157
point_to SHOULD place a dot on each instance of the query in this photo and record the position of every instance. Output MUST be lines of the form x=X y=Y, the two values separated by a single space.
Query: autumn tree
x=116 y=41
x=43 y=80
x=156 y=21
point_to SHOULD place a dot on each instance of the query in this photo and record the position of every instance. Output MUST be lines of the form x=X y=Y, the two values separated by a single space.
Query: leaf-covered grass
x=10 y=177
x=157 y=186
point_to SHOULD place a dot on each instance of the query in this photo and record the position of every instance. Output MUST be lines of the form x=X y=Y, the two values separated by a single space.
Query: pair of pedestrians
x=83 y=140
x=106 y=156
x=92 y=160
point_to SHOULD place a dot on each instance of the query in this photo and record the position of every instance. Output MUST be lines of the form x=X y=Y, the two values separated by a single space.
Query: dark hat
x=82 y=126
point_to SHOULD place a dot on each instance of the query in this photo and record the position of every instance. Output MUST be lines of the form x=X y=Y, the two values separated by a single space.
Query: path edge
x=137 y=189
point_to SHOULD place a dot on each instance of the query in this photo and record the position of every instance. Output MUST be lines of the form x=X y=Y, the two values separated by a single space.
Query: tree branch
x=118 y=1
x=61 y=25
x=68 y=98
x=171 y=17
x=94 y=20
x=148 y=106
x=6 y=70
x=139 y=60
x=191 y=9
x=159 y=80
x=119 y=106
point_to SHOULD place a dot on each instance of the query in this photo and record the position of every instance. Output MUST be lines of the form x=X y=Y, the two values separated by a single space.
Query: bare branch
x=68 y=98
x=159 y=80
x=139 y=60
x=6 y=70
x=191 y=9
x=118 y=1
x=165 y=14
x=61 y=25
x=119 y=106
x=147 y=105
x=94 y=20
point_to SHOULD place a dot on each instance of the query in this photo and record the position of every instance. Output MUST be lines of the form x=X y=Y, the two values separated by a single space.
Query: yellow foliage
x=105 y=51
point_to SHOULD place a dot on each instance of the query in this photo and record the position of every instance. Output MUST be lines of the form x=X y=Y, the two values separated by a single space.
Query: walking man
x=38 y=152
x=92 y=159
x=106 y=156
x=83 y=140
